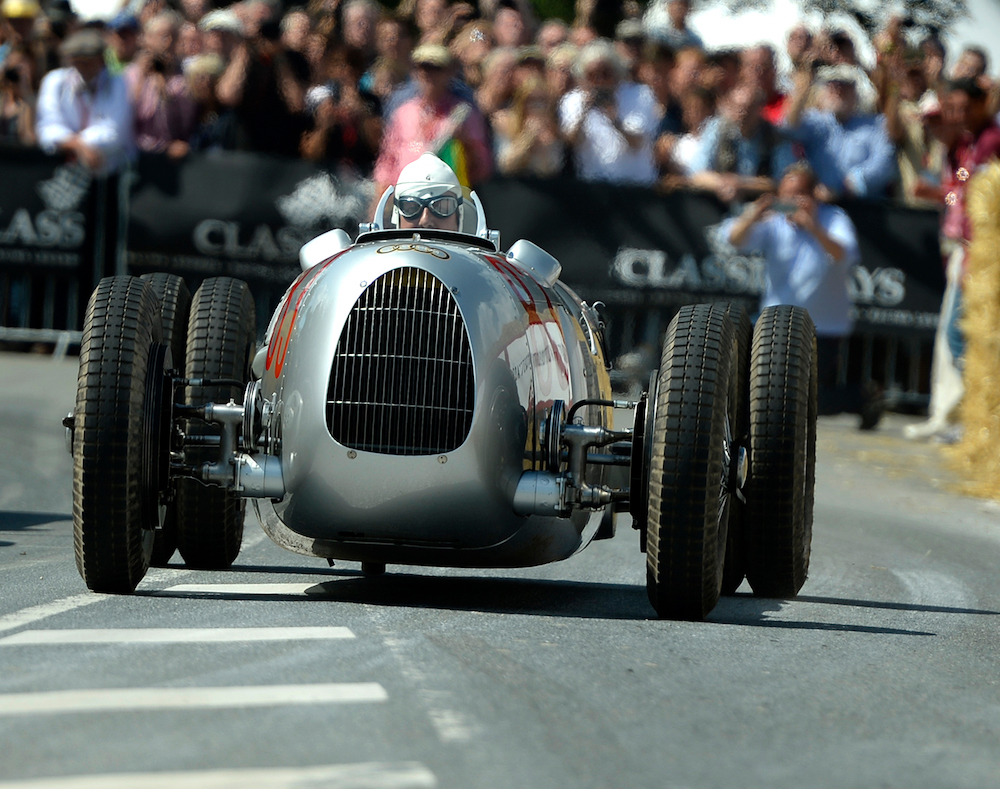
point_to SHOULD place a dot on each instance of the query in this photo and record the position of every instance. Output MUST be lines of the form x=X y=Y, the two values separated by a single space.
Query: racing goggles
x=441 y=206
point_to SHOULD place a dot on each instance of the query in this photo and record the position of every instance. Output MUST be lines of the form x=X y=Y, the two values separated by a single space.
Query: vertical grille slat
x=402 y=381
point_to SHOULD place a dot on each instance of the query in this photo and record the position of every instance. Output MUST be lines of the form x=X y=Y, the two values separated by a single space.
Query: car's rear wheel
x=114 y=488
x=220 y=345
x=689 y=481
x=175 y=305
x=779 y=513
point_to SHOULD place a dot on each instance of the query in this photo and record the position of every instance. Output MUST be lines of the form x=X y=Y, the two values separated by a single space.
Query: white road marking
x=180 y=635
x=450 y=724
x=370 y=775
x=66 y=701
x=240 y=590
x=28 y=616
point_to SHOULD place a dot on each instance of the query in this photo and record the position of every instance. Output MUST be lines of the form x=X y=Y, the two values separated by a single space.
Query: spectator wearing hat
x=435 y=121
x=18 y=17
x=850 y=152
x=609 y=121
x=83 y=110
x=123 y=42
x=222 y=33
x=214 y=127
x=411 y=89
x=629 y=41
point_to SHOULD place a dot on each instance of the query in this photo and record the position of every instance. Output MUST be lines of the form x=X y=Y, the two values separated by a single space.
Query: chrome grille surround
x=402 y=379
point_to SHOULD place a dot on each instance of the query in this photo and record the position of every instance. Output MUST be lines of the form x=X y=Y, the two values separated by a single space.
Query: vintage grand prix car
x=422 y=398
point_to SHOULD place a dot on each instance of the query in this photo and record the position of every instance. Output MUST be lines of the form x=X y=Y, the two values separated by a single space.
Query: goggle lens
x=441 y=206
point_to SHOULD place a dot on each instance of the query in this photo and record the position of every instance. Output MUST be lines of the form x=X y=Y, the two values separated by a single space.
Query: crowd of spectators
x=624 y=93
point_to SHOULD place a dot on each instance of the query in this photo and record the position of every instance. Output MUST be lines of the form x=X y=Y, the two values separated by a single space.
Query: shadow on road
x=19 y=521
x=750 y=611
x=488 y=595
x=570 y=599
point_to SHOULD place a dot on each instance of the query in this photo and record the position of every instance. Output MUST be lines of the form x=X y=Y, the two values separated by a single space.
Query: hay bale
x=977 y=456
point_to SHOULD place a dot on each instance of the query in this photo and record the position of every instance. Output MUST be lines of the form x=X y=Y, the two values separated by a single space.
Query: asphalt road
x=284 y=672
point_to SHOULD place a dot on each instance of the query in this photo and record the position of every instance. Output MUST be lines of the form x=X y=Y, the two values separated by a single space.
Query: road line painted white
x=239 y=590
x=180 y=635
x=65 y=701
x=28 y=616
x=450 y=724
x=370 y=775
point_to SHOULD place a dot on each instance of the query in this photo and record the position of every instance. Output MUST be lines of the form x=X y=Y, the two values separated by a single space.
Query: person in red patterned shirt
x=977 y=142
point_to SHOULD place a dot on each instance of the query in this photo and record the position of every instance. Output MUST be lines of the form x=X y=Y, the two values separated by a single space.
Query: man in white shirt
x=610 y=123
x=810 y=250
x=84 y=110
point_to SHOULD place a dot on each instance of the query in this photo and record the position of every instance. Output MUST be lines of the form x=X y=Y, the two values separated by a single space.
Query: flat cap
x=20 y=9
x=431 y=55
x=84 y=43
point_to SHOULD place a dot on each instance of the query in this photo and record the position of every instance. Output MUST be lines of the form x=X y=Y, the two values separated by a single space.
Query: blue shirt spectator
x=851 y=153
x=740 y=155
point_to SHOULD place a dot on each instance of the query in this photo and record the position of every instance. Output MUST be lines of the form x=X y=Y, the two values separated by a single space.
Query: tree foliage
x=926 y=16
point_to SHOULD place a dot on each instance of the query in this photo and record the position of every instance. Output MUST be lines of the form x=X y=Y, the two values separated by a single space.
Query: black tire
x=688 y=493
x=175 y=305
x=220 y=345
x=112 y=533
x=735 y=568
x=779 y=515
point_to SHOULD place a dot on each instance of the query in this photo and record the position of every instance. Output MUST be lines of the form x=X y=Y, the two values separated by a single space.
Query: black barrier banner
x=235 y=214
x=634 y=247
x=46 y=212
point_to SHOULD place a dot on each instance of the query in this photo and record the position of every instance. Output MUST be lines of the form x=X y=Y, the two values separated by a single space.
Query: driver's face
x=429 y=221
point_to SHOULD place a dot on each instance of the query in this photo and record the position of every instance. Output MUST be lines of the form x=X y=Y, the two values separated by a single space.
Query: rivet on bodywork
x=442 y=459
x=351 y=454
x=455 y=289
x=364 y=283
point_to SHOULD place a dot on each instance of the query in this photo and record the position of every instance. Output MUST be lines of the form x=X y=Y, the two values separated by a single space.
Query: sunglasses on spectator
x=441 y=206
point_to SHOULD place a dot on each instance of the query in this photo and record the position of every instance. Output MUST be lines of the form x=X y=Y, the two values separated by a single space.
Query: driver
x=428 y=195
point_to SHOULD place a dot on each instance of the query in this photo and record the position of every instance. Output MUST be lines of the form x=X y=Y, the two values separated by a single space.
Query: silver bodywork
x=532 y=343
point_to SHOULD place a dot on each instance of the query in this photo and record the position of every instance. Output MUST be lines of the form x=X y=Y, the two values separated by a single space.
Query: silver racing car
x=423 y=398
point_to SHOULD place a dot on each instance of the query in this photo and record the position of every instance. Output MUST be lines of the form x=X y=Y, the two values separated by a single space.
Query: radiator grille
x=402 y=380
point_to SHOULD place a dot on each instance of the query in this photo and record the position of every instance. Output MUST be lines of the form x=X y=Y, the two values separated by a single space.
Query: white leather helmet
x=425 y=178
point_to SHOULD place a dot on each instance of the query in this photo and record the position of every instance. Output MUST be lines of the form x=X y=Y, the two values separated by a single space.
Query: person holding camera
x=165 y=113
x=849 y=149
x=265 y=84
x=17 y=99
x=810 y=250
x=610 y=123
